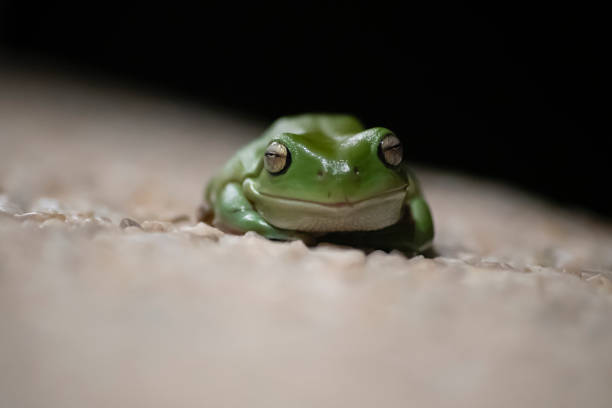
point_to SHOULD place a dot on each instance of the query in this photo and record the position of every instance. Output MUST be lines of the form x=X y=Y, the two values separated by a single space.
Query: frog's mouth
x=369 y=214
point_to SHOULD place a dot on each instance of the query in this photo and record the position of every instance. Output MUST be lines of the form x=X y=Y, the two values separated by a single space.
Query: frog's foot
x=276 y=234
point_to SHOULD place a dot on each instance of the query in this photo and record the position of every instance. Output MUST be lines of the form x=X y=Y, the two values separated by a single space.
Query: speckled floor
x=516 y=310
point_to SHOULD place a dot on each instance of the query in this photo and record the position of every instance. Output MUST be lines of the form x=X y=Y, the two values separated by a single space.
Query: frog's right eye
x=277 y=158
x=390 y=150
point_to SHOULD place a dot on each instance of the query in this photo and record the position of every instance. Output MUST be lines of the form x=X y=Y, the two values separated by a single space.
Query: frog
x=322 y=178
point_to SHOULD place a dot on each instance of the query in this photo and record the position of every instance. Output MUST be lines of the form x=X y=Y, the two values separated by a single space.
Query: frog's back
x=328 y=125
x=248 y=160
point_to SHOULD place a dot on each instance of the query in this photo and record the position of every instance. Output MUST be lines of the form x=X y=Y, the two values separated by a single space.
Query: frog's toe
x=281 y=235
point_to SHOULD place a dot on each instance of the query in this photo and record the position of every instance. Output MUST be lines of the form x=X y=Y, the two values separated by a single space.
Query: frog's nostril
x=320 y=173
x=356 y=170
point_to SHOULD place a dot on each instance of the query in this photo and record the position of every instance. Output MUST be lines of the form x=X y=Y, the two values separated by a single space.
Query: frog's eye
x=276 y=158
x=390 y=150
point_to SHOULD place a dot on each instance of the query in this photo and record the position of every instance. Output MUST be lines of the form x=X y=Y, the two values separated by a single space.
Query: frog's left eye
x=276 y=158
x=390 y=150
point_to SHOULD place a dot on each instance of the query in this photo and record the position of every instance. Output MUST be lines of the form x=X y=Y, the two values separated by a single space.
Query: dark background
x=511 y=92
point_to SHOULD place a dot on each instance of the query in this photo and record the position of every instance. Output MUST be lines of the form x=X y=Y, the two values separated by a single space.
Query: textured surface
x=516 y=311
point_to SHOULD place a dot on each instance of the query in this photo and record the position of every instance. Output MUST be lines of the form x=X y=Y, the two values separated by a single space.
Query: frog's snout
x=339 y=173
x=338 y=184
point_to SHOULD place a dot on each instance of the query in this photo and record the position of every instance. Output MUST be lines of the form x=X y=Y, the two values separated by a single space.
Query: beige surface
x=517 y=311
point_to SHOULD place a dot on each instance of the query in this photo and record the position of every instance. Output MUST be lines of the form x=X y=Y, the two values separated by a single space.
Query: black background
x=512 y=92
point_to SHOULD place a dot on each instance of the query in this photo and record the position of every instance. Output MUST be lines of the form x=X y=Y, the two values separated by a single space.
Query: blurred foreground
x=517 y=310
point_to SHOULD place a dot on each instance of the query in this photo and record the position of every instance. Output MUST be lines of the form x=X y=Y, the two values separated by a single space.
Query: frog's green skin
x=335 y=189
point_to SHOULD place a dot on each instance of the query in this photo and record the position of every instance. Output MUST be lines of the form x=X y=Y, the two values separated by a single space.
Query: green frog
x=322 y=178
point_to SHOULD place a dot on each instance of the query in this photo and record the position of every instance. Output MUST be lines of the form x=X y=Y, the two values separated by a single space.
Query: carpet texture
x=516 y=311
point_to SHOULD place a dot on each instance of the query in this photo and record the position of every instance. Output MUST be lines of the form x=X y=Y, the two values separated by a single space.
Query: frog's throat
x=370 y=214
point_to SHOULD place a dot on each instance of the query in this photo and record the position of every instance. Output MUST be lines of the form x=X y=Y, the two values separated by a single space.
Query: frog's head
x=320 y=183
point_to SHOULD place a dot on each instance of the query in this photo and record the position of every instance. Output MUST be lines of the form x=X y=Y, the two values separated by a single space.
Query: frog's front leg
x=423 y=223
x=235 y=213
